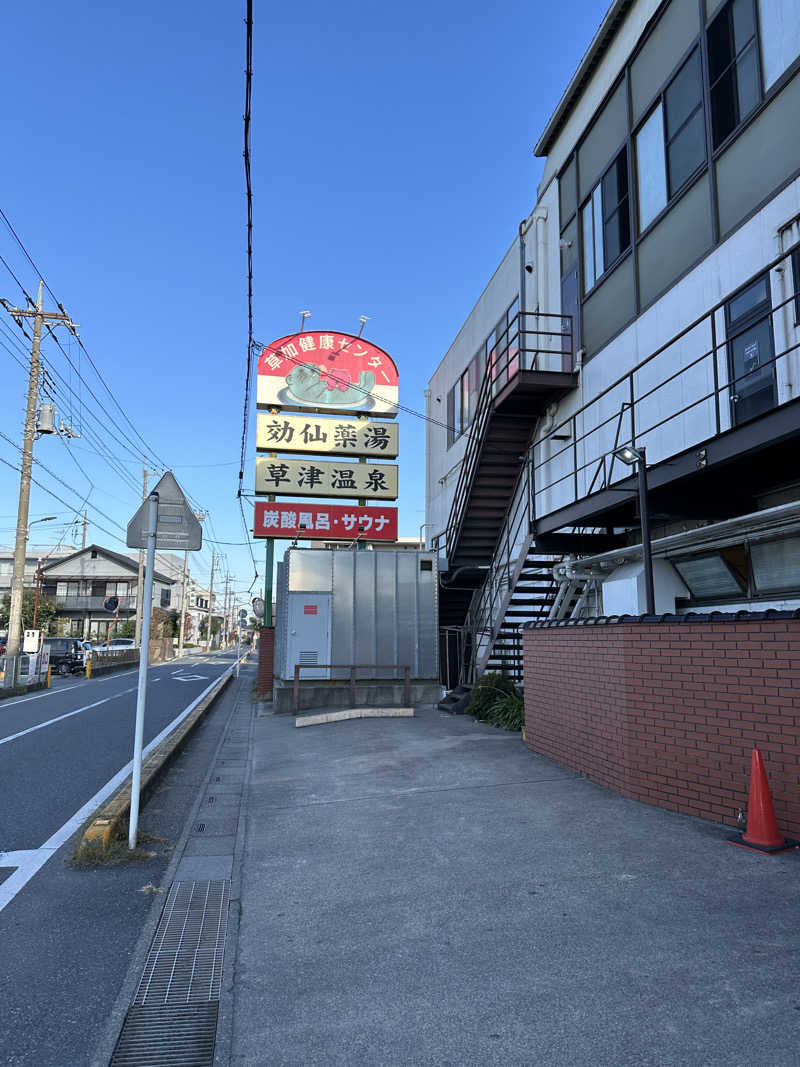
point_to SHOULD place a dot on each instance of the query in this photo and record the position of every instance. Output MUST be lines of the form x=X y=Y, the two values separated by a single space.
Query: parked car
x=66 y=654
x=116 y=644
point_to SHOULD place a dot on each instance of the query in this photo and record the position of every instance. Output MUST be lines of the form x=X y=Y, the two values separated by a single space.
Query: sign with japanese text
x=328 y=522
x=329 y=437
x=317 y=477
x=327 y=372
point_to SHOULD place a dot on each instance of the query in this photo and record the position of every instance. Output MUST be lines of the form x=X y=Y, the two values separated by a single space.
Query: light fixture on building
x=631 y=456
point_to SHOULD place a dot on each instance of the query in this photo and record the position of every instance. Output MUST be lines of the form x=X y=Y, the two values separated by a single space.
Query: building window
x=116 y=588
x=462 y=398
x=733 y=73
x=671 y=144
x=684 y=124
x=796 y=283
x=751 y=351
x=166 y=596
x=605 y=222
x=709 y=577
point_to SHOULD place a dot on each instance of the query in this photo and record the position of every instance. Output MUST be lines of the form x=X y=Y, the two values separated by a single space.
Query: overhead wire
x=248 y=90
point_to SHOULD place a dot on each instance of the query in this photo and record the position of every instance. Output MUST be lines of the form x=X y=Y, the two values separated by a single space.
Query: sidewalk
x=427 y=891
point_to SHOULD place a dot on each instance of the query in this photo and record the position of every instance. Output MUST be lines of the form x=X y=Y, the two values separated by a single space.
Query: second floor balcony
x=77 y=602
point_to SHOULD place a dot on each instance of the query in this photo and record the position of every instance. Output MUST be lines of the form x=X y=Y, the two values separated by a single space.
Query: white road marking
x=17 y=859
x=24 y=700
x=191 y=677
x=35 y=859
x=67 y=715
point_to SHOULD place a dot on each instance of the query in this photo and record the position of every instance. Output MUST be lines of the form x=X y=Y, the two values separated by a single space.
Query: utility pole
x=140 y=579
x=183 y=603
x=227 y=620
x=39 y=317
x=210 y=604
x=85 y=524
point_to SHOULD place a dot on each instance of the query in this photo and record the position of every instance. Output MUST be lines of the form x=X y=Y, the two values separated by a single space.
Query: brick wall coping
x=689 y=616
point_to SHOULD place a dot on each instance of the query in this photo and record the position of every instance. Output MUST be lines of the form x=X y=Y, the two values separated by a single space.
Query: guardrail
x=352 y=667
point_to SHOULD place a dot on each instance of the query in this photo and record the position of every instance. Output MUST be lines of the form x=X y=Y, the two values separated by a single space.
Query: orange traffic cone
x=762 y=833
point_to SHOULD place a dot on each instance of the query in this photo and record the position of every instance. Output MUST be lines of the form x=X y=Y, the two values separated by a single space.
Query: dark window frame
x=736 y=327
x=796 y=284
x=755 y=41
x=606 y=215
x=673 y=195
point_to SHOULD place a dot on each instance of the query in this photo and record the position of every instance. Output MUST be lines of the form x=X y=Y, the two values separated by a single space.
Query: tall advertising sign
x=327 y=372
x=319 y=396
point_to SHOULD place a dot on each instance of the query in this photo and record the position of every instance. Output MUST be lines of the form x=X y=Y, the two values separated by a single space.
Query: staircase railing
x=490 y=601
x=530 y=342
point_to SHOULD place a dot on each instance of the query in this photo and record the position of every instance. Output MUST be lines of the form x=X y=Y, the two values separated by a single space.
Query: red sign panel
x=329 y=372
x=309 y=609
x=325 y=522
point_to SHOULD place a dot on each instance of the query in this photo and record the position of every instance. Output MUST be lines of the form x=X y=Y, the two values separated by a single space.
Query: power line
x=364 y=392
x=61 y=500
x=248 y=88
x=18 y=239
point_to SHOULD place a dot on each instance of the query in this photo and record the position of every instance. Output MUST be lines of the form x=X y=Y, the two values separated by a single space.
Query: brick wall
x=668 y=712
x=266 y=661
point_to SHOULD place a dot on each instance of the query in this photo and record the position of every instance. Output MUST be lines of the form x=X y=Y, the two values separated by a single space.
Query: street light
x=637 y=456
x=47 y=518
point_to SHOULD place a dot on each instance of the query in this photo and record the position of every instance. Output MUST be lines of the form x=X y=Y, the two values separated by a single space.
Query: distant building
x=34 y=555
x=650 y=299
x=82 y=581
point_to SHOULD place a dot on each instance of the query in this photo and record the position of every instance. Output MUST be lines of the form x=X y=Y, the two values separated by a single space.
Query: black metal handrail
x=626 y=383
x=512 y=354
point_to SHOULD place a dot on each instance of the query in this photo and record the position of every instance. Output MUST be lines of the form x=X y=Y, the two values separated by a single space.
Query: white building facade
x=650 y=300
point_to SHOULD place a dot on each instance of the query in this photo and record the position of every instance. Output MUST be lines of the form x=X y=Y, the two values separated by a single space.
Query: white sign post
x=163 y=521
x=141 y=694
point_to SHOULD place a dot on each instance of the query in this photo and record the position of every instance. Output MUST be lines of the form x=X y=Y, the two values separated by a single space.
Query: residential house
x=82 y=582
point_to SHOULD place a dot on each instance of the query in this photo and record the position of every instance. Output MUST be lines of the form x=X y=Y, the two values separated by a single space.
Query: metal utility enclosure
x=347 y=607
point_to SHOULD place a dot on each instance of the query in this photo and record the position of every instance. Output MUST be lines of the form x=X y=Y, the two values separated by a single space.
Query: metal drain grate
x=179 y=1036
x=184 y=964
x=173 y=1018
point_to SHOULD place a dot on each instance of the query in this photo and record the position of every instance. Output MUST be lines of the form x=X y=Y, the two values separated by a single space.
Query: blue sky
x=392 y=162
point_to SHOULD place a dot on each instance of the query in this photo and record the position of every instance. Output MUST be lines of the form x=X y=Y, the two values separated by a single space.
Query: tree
x=45 y=611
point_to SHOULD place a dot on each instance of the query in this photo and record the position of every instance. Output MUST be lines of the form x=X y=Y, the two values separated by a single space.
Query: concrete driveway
x=427 y=891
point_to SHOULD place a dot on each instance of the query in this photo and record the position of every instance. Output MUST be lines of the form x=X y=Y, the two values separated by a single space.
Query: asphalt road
x=68 y=935
x=58 y=750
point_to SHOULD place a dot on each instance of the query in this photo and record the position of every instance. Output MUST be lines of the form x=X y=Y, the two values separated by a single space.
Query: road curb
x=103 y=828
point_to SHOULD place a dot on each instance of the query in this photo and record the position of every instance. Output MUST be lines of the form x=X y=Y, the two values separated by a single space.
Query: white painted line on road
x=17 y=859
x=24 y=700
x=67 y=715
x=36 y=858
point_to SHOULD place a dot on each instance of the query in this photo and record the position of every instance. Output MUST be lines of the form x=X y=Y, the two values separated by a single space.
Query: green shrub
x=488 y=689
x=507 y=713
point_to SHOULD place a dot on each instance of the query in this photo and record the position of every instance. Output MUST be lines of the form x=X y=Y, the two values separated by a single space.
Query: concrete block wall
x=668 y=712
